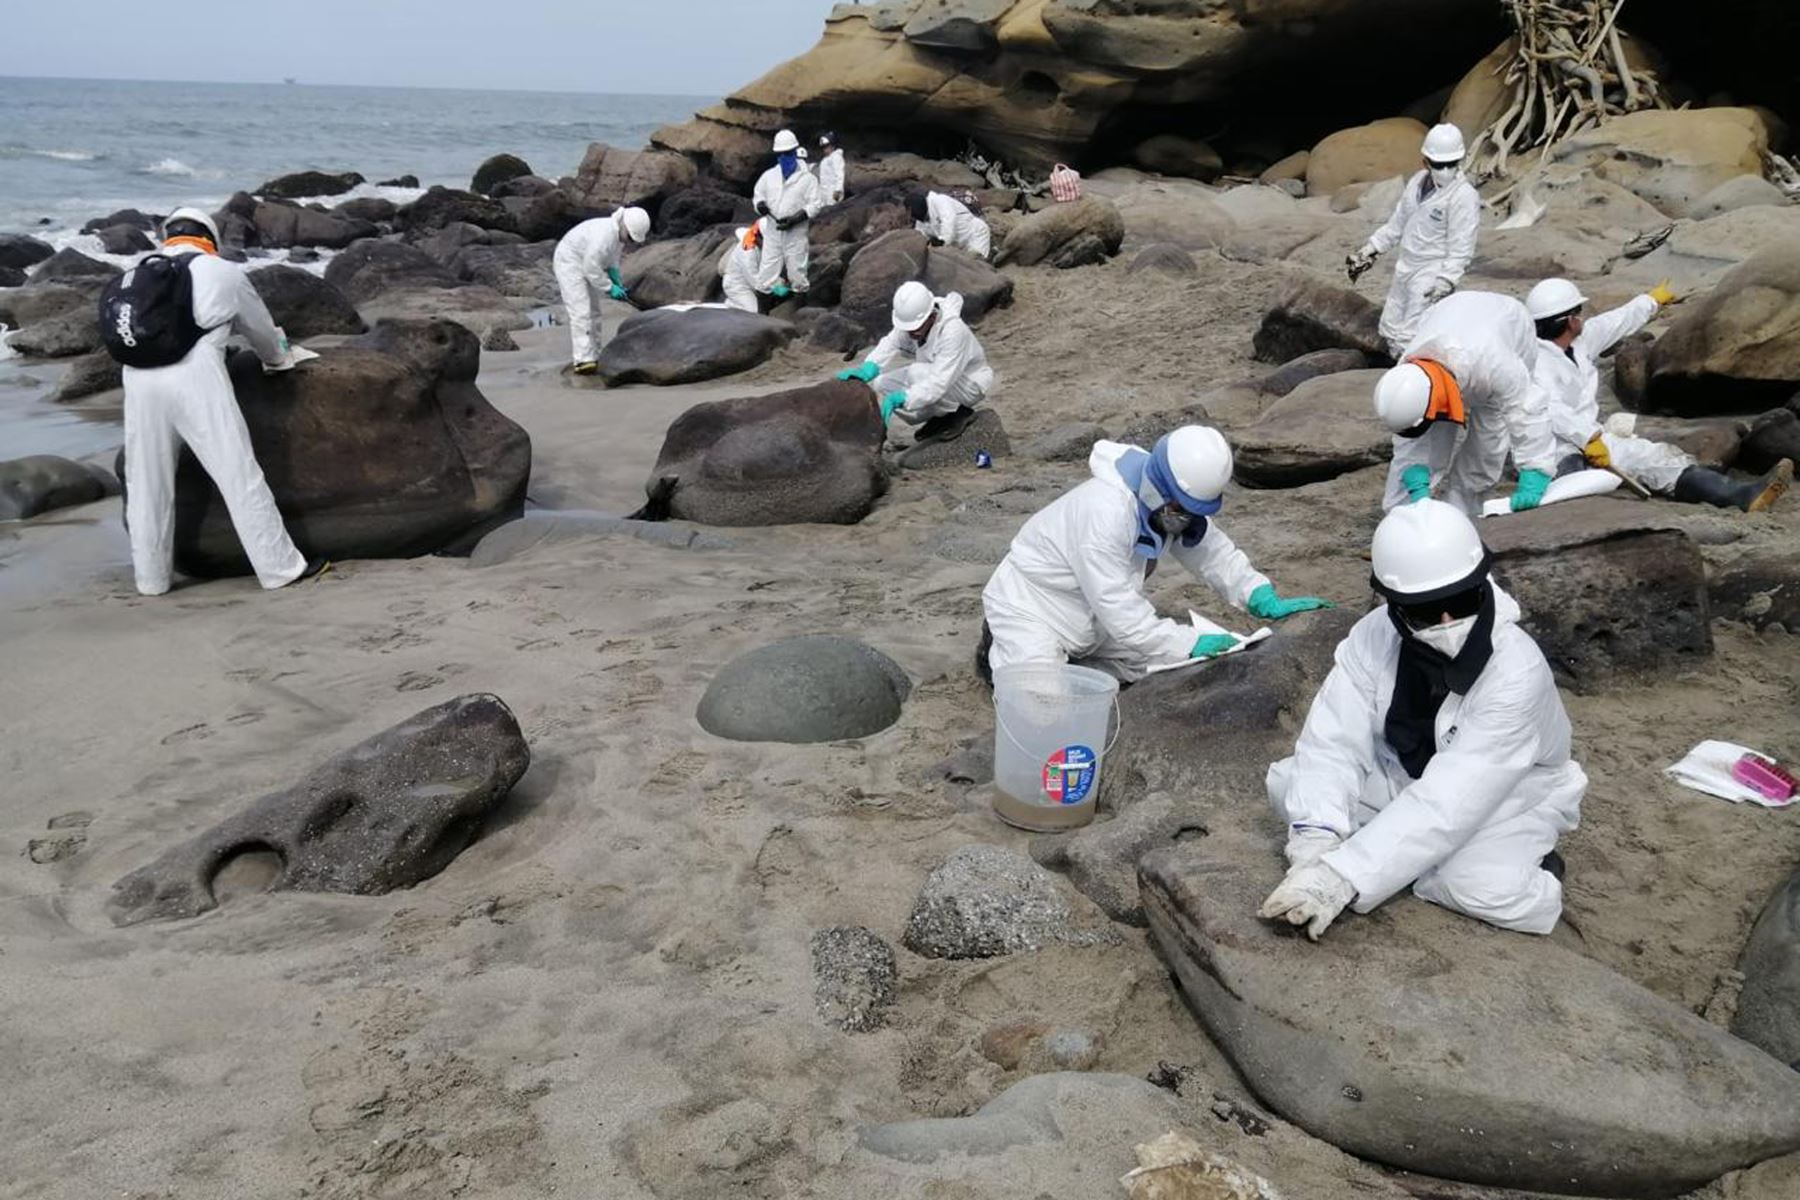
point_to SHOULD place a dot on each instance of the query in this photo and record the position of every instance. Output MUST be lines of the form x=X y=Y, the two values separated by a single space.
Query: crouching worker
x=168 y=320
x=738 y=268
x=1436 y=754
x=587 y=254
x=1072 y=585
x=930 y=371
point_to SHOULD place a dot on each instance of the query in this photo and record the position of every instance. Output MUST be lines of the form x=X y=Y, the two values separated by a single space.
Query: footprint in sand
x=190 y=733
x=676 y=772
x=417 y=681
x=245 y=718
x=539 y=644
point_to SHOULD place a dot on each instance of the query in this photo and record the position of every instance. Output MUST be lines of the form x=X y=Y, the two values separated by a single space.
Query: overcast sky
x=682 y=47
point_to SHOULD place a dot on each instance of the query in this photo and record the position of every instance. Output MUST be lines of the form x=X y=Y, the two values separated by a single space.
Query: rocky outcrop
x=1768 y=1012
x=1036 y=82
x=89 y=375
x=1737 y=348
x=1365 y=154
x=697 y=209
x=371 y=268
x=369 y=208
x=135 y=218
x=1608 y=592
x=644 y=178
x=278 y=226
x=443 y=206
x=677 y=271
x=39 y=483
x=36 y=302
x=512 y=270
x=547 y=217
x=70 y=264
x=1671 y=159
x=1315 y=315
x=380 y=448
x=76 y=331
x=1091 y=223
x=811 y=454
x=1511 y=1091
x=303 y=304
x=384 y=814
x=123 y=239
x=309 y=183
x=875 y=272
x=21 y=252
x=1323 y=428
x=804 y=690
x=666 y=345
x=497 y=170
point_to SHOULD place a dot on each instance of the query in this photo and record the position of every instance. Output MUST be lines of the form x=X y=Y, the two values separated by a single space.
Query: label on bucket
x=1068 y=774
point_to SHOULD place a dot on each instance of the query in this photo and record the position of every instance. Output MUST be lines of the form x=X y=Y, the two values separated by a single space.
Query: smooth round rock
x=805 y=689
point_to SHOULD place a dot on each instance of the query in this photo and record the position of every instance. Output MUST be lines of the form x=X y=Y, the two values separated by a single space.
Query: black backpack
x=147 y=314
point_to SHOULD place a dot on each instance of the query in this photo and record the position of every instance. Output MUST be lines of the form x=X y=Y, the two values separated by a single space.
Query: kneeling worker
x=1072 y=585
x=1436 y=753
x=948 y=220
x=190 y=401
x=930 y=371
x=588 y=252
x=1565 y=372
x=738 y=268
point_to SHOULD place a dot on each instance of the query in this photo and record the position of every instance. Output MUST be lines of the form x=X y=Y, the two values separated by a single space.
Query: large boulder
x=696 y=209
x=1771 y=437
x=1608 y=590
x=1768 y=1012
x=875 y=272
x=1368 y=153
x=1178 y=212
x=70 y=264
x=309 y=183
x=384 y=814
x=442 y=206
x=374 y=209
x=1670 y=158
x=19 y=251
x=546 y=217
x=1043 y=235
x=803 y=690
x=982 y=288
x=679 y=271
x=63 y=336
x=1315 y=315
x=371 y=268
x=497 y=170
x=522 y=187
x=511 y=270
x=380 y=448
x=36 y=302
x=1172 y=154
x=811 y=454
x=1323 y=428
x=41 y=482
x=985 y=901
x=1737 y=348
x=1563 y=1076
x=908 y=171
x=89 y=375
x=123 y=239
x=668 y=345
x=303 y=304
x=279 y=226
x=609 y=175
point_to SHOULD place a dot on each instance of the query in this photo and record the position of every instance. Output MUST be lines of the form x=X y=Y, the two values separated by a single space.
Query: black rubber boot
x=946 y=427
x=981 y=655
x=1703 y=485
x=1553 y=863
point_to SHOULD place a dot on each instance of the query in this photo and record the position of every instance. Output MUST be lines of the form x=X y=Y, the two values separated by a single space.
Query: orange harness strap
x=197 y=243
x=1446 y=402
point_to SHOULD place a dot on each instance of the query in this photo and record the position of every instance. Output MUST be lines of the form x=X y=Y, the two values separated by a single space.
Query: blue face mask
x=790 y=162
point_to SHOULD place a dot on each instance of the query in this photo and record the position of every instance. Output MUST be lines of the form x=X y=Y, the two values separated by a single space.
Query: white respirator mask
x=1449 y=638
x=1444 y=176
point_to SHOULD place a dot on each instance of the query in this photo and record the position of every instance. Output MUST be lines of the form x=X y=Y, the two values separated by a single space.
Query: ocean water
x=73 y=149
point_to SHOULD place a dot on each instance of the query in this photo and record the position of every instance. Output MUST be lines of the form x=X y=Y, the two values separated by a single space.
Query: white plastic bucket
x=1050 y=739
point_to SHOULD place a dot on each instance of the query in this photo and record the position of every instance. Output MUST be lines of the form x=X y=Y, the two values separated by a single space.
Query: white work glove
x=1357 y=263
x=1438 y=290
x=1310 y=845
x=1312 y=895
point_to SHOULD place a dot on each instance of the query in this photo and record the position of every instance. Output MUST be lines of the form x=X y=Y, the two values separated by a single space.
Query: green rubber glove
x=1266 y=604
x=617 y=292
x=1211 y=644
x=1530 y=492
x=866 y=373
x=890 y=403
x=1416 y=479
x=781 y=291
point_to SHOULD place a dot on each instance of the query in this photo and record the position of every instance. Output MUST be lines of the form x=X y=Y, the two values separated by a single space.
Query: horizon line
x=283 y=81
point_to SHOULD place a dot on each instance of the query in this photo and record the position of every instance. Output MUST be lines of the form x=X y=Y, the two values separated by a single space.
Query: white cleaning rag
x=1707 y=768
x=1569 y=487
x=1202 y=626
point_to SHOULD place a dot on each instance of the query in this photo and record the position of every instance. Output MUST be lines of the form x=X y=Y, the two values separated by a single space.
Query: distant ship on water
x=289 y=80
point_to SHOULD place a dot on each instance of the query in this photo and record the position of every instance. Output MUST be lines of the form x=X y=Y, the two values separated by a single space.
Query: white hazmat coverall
x=737 y=274
x=786 y=250
x=1489 y=343
x=1436 y=234
x=580 y=263
x=948 y=370
x=1470 y=832
x=950 y=222
x=831 y=177
x=1072 y=585
x=1571 y=384
x=192 y=402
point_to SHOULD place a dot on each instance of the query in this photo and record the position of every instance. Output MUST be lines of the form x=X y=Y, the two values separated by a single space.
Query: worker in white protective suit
x=1436 y=754
x=588 y=253
x=1467 y=372
x=787 y=198
x=1072 y=585
x=1434 y=224
x=947 y=220
x=738 y=268
x=191 y=402
x=1566 y=373
x=831 y=170
x=930 y=371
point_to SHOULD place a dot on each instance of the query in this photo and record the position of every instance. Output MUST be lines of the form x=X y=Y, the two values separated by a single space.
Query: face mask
x=789 y=163
x=1173 y=522
x=1447 y=639
x=1445 y=176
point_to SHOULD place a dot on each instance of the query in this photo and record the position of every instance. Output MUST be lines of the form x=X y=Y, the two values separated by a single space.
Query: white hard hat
x=913 y=303
x=785 y=141
x=1425 y=550
x=1444 y=143
x=1196 y=459
x=197 y=217
x=1402 y=396
x=1553 y=298
x=635 y=222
